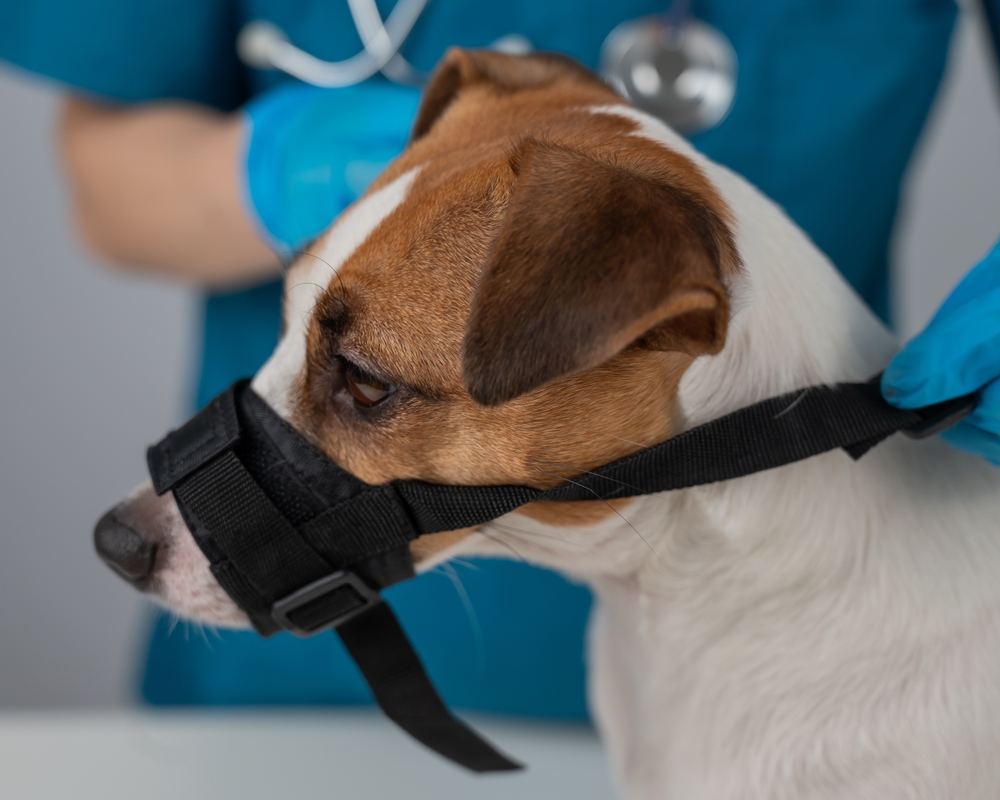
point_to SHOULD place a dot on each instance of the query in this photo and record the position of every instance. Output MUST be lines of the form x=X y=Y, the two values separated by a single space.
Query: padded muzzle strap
x=307 y=579
x=278 y=563
x=224 y=503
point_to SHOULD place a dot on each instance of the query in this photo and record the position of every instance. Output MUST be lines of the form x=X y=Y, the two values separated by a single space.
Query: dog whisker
x=305 y=253
x=466 y=564
x=200 y=628
x=525 y=534
x=470 y=613
x=556 y=590
x=334 y=270
x=598 y=497
x=308 y=313
x=502 y=543
x=305 y=283
x=794 y=403
x=627 y=441
x=587 y=472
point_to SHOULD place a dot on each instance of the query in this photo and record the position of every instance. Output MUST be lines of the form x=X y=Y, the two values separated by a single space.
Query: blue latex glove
x=310 y=152
x=958 y=353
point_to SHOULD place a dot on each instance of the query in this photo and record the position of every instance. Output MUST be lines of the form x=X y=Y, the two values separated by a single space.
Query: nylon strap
x=376 y=521
x=253 y=534
x=383 y=653
x=275 y=560
x=770 y=434
x=325 y=564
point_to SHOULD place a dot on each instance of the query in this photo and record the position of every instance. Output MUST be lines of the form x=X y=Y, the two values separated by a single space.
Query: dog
x=548 y=280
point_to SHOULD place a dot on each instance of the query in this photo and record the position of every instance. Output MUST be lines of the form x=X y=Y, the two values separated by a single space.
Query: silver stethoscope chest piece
x=674 y=67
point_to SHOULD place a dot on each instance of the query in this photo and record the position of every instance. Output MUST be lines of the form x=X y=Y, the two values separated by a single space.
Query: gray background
x=95 y=365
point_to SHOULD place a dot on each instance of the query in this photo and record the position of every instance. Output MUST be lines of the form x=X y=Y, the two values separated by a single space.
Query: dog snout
x=144 y=539
x=129 y=537
x=123 y=548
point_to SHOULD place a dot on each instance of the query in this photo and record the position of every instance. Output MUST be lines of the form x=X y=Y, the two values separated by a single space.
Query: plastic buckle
x=283 y=610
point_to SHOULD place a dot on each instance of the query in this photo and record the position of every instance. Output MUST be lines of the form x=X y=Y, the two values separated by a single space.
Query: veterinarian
x=185 y=163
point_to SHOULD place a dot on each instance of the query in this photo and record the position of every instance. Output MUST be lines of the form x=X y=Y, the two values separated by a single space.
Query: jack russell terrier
x=548 y=280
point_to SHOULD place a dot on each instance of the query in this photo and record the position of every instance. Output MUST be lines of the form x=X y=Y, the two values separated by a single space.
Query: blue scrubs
x=832 y=96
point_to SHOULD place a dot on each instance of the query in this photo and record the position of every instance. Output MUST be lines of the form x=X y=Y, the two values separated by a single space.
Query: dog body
x=828 y=629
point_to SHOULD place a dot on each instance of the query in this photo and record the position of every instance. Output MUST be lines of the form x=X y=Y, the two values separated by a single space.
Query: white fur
x=309 y=279
x=829 y=629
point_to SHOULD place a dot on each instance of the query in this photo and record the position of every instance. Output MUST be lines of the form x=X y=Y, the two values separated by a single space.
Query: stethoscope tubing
x=264 y=45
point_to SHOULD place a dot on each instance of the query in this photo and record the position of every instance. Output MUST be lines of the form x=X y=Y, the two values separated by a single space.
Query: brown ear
x=505 y=73
x=590 y=259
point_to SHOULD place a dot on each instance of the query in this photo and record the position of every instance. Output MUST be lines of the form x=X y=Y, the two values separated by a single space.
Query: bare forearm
x=157 y=188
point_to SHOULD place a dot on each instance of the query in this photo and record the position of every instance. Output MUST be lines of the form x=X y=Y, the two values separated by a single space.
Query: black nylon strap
x=275 y=560
x=391 y=667
x=376 y=523
x=315 y=555
x=211 y=431
x=252 y=533
x=763 y=436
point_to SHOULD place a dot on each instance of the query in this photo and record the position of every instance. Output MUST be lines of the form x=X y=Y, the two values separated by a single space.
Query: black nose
x=123 y=549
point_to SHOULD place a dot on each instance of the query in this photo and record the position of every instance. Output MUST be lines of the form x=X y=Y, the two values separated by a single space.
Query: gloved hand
x=956 y=354
x=310 y=152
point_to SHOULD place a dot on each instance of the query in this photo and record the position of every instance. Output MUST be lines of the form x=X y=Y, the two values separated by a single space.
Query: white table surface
x=274 y=755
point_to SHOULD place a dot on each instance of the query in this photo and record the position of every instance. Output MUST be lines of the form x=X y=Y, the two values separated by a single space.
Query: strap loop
x=211 y=431
x=392 y=669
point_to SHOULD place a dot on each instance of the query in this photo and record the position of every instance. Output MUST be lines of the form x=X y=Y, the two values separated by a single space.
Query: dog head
x=514 y=301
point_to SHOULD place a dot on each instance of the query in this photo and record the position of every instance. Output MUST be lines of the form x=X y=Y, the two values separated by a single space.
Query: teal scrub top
x=832 y=96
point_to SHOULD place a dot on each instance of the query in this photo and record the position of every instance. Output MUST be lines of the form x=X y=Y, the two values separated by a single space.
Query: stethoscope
x=671 y=65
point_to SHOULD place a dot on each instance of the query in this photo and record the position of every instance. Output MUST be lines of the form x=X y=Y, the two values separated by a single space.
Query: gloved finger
x=966 y=436
x=955 y=355
x=310 y=152
x=987 y=413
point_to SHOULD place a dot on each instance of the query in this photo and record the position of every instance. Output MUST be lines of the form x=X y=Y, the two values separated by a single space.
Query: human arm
x=958 y=353
x=182 y=190
x=158 y=187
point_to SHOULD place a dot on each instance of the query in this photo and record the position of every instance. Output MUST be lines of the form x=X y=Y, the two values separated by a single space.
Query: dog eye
x=366 y=389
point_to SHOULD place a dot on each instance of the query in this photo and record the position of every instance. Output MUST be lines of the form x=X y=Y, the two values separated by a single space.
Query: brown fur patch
x=400 y=305
x=591 y=258
x=424 y=547
x=460 y=69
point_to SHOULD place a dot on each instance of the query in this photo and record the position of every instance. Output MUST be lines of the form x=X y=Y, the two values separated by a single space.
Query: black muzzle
x=302 y=545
